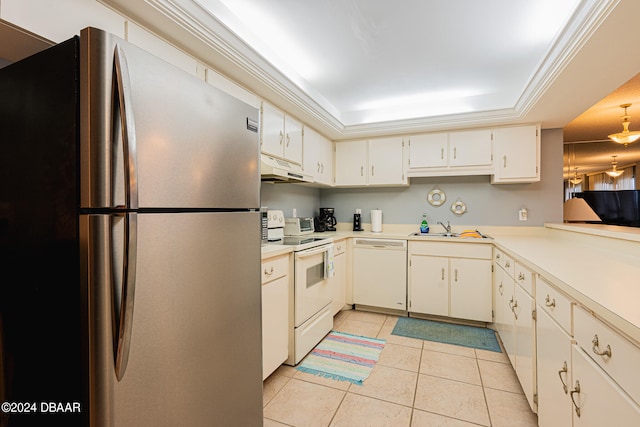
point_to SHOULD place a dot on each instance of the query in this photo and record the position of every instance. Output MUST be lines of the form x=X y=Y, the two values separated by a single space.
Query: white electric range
x=312 y=293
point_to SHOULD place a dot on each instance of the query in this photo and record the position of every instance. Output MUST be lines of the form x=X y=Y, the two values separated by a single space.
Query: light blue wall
x=487 y=204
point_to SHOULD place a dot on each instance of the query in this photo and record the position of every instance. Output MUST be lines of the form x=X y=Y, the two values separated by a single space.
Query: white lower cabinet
x=450 y=279
x=554 y=372
x=275 y=313
x=525 y=339
x=514 y=319
x=596 y=399
x=338 y=281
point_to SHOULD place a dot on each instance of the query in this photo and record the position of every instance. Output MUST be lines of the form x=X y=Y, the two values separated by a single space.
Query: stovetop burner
x=292 y=240
x=300 y=243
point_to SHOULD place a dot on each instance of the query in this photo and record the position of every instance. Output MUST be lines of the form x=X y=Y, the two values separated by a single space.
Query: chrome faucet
x=447 y=227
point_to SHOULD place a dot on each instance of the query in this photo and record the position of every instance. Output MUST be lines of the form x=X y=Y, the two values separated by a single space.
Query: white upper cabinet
x=351 y=163
x=428 y=151
x=386 y=162
x=318 y=157
x=452 y=153
x=470 y=149
x=376 y=162
x=281 y=135
x=517 y=157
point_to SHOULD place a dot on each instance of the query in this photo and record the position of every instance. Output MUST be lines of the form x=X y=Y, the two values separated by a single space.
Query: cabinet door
x=554 y=372
x=470 y=148
x=272 y=131
x=471 y=289
x=386 y=161
x=326 y=162
x=525 y=343
x=293 y=140
x=499 y=299
x=508 y=330
x=429 y=285
x=600 y=401
x=338 y=281
x=275 y=324
x=318 y=157
x=428 y=151
x=351 y=163
x=517 y=154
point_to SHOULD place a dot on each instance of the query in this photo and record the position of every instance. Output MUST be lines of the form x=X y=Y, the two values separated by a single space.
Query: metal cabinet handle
x=596 y=348
x=507 y=264
x=498 y=256
x=442 y=271
x=455 y=153
x=361 y=170
x=513 y=308
x=505 y=161
x=500 y=289
x=442 y=153
x=576 y=389
x=288 y=140
x=372 y=173
x=564 y=370
x=521 y=276
x=268 y=273
x=455 y=275
x=281 y=137
x=548 y=302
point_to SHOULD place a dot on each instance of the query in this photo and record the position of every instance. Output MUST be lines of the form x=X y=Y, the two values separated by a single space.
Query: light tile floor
x=414 y=383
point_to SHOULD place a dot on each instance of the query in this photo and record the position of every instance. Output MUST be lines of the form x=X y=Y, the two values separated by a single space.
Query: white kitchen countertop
x=597 y=266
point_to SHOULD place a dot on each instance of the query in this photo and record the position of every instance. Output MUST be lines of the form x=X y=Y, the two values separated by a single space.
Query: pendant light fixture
x=576 y=179
x=626 y=136
x=614 y=172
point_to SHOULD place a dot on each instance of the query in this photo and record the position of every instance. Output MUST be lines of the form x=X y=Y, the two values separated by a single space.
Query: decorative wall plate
x=458 y=207
x=436 y=197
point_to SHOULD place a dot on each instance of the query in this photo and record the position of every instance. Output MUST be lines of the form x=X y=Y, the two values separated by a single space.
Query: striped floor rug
x=343 y=357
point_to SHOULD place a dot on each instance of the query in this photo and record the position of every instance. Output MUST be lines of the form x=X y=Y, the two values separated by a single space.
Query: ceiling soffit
x=189 y=26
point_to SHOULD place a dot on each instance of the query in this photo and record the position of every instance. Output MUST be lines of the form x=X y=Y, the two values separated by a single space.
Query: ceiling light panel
x=354 y=51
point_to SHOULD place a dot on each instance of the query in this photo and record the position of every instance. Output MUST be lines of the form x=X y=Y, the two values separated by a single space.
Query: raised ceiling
x=353 y=68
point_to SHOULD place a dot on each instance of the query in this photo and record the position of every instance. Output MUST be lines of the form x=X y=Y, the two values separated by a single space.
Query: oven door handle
x=311 y=252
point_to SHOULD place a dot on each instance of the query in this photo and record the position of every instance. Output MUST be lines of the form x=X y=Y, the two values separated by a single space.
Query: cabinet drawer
x=274 y=268
x=339 y=247
x=451 y=249
x=556 y=304
x=524 y=277
x=622 y=358
x=504 y=261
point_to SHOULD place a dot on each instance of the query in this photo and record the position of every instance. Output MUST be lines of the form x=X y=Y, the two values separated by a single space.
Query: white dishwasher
x=380 y=273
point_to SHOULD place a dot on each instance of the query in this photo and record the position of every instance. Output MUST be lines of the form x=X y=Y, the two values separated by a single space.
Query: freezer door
x=153 y=136
x=195 y=354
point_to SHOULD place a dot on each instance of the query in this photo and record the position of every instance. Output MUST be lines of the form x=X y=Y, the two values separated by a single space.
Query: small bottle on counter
x=424 y=225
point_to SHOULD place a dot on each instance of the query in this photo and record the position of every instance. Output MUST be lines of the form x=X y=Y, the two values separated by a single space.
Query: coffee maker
x=325 y=221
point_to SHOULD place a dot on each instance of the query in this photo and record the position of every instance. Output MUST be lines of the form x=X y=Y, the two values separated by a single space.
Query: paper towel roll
x=376 y=221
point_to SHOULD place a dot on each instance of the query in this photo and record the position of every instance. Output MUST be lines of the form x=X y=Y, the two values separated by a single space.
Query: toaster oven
x=298 y=226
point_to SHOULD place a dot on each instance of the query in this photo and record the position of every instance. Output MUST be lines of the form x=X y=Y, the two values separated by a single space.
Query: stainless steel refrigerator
x=129 y=243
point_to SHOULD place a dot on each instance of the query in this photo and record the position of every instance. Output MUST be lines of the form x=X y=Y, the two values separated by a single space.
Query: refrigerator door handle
x=124 y=104
x=124 y=323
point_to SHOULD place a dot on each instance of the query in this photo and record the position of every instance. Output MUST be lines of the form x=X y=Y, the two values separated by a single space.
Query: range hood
x=277 y=170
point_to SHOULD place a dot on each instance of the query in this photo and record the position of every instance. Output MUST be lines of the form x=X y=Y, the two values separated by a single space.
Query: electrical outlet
x=522 y=214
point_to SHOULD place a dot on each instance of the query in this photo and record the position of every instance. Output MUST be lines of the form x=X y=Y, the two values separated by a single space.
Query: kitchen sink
x=473 y=234
x=435 y=234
